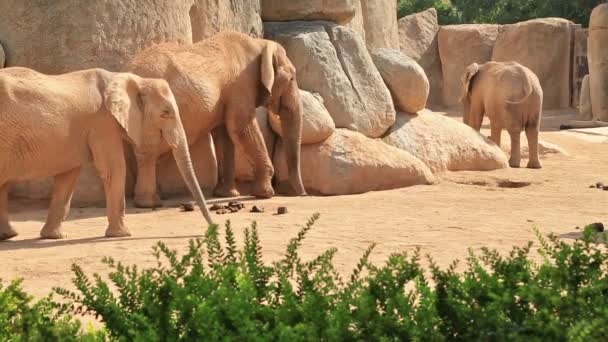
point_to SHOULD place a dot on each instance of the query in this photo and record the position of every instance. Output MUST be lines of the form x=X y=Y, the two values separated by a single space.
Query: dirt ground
x=465 y=209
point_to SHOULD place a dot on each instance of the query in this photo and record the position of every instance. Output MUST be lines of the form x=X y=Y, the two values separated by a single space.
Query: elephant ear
x=125 y=102
x=267 y=70
x=467 y=79
x=275 y=75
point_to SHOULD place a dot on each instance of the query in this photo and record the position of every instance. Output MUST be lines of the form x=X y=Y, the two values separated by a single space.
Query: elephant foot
x=147 y=201
x=514 y=163
x=222 y=190
x=534 y=164
x=115 y=232
x=264 y=190
x=7 y=233
x=52 y=233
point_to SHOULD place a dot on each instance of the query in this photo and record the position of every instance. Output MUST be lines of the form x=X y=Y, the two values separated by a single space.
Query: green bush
x=216 y=291
x=20 y=320
x=500 y=11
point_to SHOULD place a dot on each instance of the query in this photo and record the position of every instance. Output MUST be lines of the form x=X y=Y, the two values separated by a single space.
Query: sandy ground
x=466 y=209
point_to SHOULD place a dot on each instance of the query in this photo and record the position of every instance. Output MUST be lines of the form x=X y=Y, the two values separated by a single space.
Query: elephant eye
x=166 y=114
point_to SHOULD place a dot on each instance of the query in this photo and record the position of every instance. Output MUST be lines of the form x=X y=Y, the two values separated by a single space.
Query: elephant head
x=147 y=111
x=281 y=96
x=467 y=81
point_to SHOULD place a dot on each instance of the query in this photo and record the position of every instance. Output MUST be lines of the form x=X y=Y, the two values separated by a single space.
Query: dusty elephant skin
x=74 y=113
x=218 y=83
x=512 y=98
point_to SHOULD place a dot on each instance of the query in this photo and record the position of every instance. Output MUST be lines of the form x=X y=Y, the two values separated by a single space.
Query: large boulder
x=598 y=59
x=210 y=17
x=333 y=61
x=317 y=124
x=338 y=11
x=444 y=144
x=243 y=166
x=459 y=46
x=379 y=19
x=405 y=79
x=418 y=40
x=544 y=46
x=350 y=163
x=61 y=36
x=204 y=160
x=357 y=22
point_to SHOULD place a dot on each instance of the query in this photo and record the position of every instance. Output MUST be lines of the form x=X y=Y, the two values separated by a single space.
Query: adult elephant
x=51 y=124
x=511 y=96
x=218 y=83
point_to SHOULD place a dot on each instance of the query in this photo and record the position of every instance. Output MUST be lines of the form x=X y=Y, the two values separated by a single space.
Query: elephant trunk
x=184 y=165
x=291 y=126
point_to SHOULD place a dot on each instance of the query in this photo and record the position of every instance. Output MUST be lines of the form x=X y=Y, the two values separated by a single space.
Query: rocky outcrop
x=380 y=23
x=459 y=46
x=333 y=61
x=60 y=36
x=405 y=79
x=350 y=163
x=444 y=144
x=317 y=124
x=209 y=17
x=338 y=11
x=204 y=160
x=418 y=40
x=544 y=46
x=598 y=59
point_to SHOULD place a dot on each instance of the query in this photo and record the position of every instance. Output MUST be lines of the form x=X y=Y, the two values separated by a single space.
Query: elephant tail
x=528 y=89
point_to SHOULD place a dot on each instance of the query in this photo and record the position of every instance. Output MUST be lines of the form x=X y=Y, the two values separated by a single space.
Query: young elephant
x=512 y=98
x=51 y=125
x=218 y=83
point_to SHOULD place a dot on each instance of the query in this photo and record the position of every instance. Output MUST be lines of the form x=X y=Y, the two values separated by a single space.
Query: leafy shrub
x=217 y=291
x=20 y=320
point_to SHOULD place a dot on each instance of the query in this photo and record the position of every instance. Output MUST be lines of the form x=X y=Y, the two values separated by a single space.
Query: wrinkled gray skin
x=510 y=95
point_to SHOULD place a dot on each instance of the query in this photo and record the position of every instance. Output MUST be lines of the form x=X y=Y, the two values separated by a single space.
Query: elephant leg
x=146 y=194
x=532 y=137
x=226 y=185
x=515 y=149
x=63 y=188
x=6 y=231
x=252 y=141
x=496 y=132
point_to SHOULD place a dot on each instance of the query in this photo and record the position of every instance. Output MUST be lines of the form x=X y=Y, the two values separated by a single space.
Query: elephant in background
x=51 y=124
x=511 y=96
x=218 y=83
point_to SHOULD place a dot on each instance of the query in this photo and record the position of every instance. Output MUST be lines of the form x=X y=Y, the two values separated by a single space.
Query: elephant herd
x=168 y=97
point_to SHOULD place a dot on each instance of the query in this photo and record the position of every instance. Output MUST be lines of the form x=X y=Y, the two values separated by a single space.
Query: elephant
x=51 y=124
x=218 y=83
x=511 y=96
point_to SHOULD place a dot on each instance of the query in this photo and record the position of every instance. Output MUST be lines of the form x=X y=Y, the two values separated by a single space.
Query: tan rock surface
x=542 y=45
x=444 y=144
x=350 y=163
x=338 y=11
x=598 y=59
x=209 y=17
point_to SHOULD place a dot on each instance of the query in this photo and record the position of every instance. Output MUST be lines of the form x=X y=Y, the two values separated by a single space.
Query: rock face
x=544 y=46
x=418 y=40
x=380 y=23
x=338 y=11
x=444 y=144
x=204 y=161
x=459 y=46
x=209 y=17
x=60 y=36
x=405 y=79
x=317 y=124
x=244 y=167
x=585 y=111
x=356 y=23
x=350 y=163
x=333 y=61
x=598 y=59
